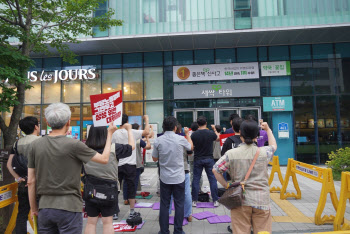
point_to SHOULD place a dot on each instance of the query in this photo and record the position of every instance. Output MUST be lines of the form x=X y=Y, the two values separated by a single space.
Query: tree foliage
x=38 y=26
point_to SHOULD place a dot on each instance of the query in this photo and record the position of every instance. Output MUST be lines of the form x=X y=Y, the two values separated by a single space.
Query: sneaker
x=194 y=204
x=134 y=219
x=115 y=217
x=126 y=202
x=216 y=203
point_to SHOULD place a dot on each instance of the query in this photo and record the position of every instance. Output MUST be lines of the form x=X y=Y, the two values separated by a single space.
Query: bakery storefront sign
x=55 y=76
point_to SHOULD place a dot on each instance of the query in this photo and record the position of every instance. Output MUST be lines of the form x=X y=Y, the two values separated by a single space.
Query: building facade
x=284 y=61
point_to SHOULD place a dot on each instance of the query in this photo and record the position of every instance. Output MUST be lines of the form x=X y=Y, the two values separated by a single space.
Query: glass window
x=278 y=53
x=74 y=129
x=323 y=73
x=343 y=74
x=262 y=54
x=327 y=136
x=168 y=83
x=153 y=59
x=51 y=64
x=7 y=116
x=242 y=4
x=133 y=85
x=132 y=60
x=344 y=119
x=300 y=52
x=68 y=66
x=204 y=56
x=91 y=87
x=112 y=61
x=71 y=91
x=183 y=57
x=38 y=65
x=51 y=90
x=342 y=50
x=304 y=129
x=247 y=55
x=322 y=51
x=100 y=11
x=243 y=19
x=133 y=108
x=155 y=111
x=280 y=85
x=153 y=83
x=33 y=95
x=111 y=80
x=32 y=111
x=92 y=61
x=87 y=120
x=302 y=80
x=168 y=58
x=225 y=56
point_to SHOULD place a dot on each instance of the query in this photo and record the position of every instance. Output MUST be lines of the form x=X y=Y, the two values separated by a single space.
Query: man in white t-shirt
x=127 y=166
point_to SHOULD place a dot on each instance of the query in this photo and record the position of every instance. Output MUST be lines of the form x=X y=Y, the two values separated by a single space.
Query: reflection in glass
x=155 y=111
x=111 y=80
x=51 y=90
x=133 y=108
x=328 y=139
x=302 y=80
x=305 y=137
x=185 y=118
x=133 y=85
x=33 y=95
x=153 y=83
x=91 y=86
x=344 y=119
x=224 y=116
x=323 y=73
x=71 y=91
x=87 y=120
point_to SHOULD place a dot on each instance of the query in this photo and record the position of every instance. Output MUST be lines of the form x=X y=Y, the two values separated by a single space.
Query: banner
x=207 y=72
x=275 y=68
x=223 y=138
x=106 y=108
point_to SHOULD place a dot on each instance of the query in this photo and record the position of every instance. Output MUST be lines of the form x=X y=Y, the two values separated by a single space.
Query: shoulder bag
x=20 y=163
x=102 y=192
x=234 y=196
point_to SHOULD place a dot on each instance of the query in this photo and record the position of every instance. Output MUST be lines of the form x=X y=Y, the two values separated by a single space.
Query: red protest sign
x=123 y=227
x=106 y=108
x=223 y=138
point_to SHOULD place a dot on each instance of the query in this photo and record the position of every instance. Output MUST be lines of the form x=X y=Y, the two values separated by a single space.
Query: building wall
x=319 y=84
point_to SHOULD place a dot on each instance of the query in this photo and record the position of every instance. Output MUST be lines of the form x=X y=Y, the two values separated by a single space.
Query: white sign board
x=307 y=170
x=5 y=196
x=281 y=68
x=228 y=71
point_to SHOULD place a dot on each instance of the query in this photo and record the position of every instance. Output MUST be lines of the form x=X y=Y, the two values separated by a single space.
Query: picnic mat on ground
x=137 y=227
x=219 y=219
x=156 y=206
x=143 y=205
x=141 y=197
x=205 y=205
x=203 y=215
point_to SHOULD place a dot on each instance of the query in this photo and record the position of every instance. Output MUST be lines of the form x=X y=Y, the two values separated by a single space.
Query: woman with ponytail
x=255 y=212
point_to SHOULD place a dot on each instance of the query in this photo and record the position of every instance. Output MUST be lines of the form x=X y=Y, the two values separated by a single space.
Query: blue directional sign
x=283 y=127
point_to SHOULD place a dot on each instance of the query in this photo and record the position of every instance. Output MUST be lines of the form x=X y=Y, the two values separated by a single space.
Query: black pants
x=178 y=191
x=23 y=210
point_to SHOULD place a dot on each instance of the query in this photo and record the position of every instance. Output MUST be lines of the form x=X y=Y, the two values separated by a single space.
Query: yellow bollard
x=290 y=173
x=344 y=196
x=275 y=169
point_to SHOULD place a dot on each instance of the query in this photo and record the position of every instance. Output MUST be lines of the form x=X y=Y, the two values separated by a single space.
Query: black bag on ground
x=20 y=163
x=99 y=191
x=203 y=197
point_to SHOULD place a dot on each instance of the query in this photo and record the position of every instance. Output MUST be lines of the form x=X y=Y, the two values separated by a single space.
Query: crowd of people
x=111 y=159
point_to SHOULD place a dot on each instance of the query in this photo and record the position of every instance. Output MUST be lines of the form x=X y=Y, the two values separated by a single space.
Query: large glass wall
x=318 y=83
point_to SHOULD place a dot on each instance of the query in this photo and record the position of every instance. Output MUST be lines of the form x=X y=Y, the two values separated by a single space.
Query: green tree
x=35 y=26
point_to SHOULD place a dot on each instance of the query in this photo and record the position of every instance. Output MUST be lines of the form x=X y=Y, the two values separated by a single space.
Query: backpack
x=235 y=140
x=20 y=163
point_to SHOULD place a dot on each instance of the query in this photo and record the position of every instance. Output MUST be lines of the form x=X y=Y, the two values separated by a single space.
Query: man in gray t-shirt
x=168 y=150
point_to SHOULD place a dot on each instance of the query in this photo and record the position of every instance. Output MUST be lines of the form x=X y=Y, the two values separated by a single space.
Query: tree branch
x=20 y=14
x=8 y=21
x=13 y=13
x=2 y=124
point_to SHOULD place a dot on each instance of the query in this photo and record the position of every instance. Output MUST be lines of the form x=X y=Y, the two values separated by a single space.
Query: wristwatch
x=18 y=180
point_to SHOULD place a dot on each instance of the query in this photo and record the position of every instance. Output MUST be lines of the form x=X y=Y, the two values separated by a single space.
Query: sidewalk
x=291 y=216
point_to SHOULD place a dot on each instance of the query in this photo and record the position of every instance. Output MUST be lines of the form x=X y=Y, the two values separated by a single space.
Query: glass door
x=224 y=117
x=185 y=117
x=209 y=114
x=250 y=111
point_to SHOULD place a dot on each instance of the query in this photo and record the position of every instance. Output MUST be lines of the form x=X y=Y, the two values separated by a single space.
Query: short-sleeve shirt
x=262 y=138
x=58 y=161
x=203 y=144
x=121 y=137
x=169 y=149
x=23 y=145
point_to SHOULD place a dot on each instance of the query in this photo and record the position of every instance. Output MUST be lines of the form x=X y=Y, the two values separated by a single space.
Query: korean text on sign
x=107 y=108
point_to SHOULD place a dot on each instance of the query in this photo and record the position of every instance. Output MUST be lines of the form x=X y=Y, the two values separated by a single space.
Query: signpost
x=281 y=68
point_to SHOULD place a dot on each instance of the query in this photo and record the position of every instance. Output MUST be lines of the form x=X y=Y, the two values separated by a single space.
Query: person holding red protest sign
x=127 y=166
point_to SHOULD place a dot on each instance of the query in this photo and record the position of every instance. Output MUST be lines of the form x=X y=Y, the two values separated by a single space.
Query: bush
x=339 y=161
